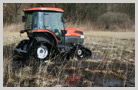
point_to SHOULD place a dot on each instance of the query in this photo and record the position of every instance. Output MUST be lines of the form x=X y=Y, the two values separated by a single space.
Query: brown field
x=112 y=63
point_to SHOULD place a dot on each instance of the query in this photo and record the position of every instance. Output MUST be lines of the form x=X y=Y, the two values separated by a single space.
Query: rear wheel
x=41 y=54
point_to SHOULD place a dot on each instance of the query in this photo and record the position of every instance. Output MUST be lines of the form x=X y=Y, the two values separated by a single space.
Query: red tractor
x=48 y=37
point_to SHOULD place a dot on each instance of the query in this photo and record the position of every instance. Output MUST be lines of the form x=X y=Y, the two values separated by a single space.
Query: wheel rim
x=79 y=52
x=42 y=52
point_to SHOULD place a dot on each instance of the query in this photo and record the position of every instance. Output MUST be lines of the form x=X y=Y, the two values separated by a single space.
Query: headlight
x=82 y=36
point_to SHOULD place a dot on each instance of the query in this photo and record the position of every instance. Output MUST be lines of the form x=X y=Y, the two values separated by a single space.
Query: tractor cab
x=48 y=20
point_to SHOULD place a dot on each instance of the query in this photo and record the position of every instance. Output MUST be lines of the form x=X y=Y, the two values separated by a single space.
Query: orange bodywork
x=45 y=31
x=71 y=32
x=44 y=9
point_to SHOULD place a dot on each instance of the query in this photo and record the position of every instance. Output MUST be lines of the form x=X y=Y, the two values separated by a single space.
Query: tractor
x=48 y=37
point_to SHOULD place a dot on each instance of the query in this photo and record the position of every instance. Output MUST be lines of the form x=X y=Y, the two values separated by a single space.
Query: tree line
x=77 y=12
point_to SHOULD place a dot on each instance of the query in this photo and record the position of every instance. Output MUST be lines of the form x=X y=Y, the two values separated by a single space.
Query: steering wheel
x=57 y=32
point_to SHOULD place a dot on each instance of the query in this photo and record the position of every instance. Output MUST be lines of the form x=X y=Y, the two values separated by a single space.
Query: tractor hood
x=74 y=36
x=73 y=32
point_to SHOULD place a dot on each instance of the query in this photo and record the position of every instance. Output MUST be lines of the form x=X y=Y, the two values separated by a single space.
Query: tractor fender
x=45 y=37
x=48 y=33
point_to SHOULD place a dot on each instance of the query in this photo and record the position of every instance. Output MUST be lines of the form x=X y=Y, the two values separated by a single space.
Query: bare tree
x=17 y=7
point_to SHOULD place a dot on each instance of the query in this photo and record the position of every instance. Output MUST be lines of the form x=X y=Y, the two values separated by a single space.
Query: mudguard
x=45 y=37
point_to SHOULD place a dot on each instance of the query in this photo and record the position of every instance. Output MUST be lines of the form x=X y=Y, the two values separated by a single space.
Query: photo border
x=66 y=1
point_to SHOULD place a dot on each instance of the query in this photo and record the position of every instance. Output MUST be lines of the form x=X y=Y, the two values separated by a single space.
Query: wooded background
x=104 y=15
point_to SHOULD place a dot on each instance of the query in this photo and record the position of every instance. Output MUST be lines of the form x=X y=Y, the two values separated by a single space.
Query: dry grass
x=121 y=35
x=13 y=27
x=112 y=64
x=11 y=34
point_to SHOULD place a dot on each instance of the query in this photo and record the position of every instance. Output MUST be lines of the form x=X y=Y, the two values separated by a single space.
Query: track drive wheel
x=19 y=59
x=16 y=63
x=83 y=53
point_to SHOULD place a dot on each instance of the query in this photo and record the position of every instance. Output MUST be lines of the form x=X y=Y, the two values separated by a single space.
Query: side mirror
x=23 y=18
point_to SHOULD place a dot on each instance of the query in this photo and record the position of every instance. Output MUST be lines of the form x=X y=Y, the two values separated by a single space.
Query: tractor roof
x=45 y=9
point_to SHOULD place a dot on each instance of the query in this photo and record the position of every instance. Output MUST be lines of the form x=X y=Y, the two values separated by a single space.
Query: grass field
x=112 y=63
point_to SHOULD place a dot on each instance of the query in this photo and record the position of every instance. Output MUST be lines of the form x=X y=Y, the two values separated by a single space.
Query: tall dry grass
x=112 y=63
x=11 y=33
x=88 y=26
x=13 y=27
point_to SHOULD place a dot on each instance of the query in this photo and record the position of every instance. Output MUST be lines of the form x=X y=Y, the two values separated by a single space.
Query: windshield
x=44 y=20
x=53 y=20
